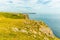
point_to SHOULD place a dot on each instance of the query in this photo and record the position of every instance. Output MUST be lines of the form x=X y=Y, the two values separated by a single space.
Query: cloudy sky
x=37 y=6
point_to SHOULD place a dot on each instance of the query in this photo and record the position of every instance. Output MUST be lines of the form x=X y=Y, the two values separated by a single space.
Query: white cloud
x=52 y=6
x=55 y=3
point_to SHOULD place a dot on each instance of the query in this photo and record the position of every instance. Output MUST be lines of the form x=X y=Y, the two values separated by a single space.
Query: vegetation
x=13 y=15
x=16 y=27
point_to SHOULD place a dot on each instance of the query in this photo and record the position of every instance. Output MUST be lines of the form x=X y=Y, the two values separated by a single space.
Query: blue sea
x=52 y=20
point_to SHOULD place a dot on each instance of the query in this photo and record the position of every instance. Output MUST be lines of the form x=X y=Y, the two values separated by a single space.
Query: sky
x=31 y=6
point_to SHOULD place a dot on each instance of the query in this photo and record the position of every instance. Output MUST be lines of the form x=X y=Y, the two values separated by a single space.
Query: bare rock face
x=20 y=27
x=24 y=15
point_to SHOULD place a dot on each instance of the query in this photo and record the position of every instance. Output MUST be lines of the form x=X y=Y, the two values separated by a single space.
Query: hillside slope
x=17 y=27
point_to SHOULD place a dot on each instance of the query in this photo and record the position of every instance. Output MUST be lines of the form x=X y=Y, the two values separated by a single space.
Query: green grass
x=12 y=15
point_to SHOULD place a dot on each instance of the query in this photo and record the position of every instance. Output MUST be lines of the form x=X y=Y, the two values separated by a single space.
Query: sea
x=52 y=20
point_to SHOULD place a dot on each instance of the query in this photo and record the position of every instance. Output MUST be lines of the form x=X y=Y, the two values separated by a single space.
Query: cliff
x=20 y=27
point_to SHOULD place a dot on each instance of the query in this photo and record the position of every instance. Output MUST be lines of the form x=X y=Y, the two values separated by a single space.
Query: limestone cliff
x=20 y=27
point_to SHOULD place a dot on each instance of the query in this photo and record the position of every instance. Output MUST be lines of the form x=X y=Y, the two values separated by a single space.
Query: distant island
x=32 y=13
x=28 y=13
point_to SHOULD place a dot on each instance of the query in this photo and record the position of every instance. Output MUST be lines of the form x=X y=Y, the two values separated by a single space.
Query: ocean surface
x=52 y=20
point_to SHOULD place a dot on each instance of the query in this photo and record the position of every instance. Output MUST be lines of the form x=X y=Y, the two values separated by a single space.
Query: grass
x=13 y=15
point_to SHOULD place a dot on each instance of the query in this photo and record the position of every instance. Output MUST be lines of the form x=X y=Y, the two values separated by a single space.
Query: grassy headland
x=20 y=27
